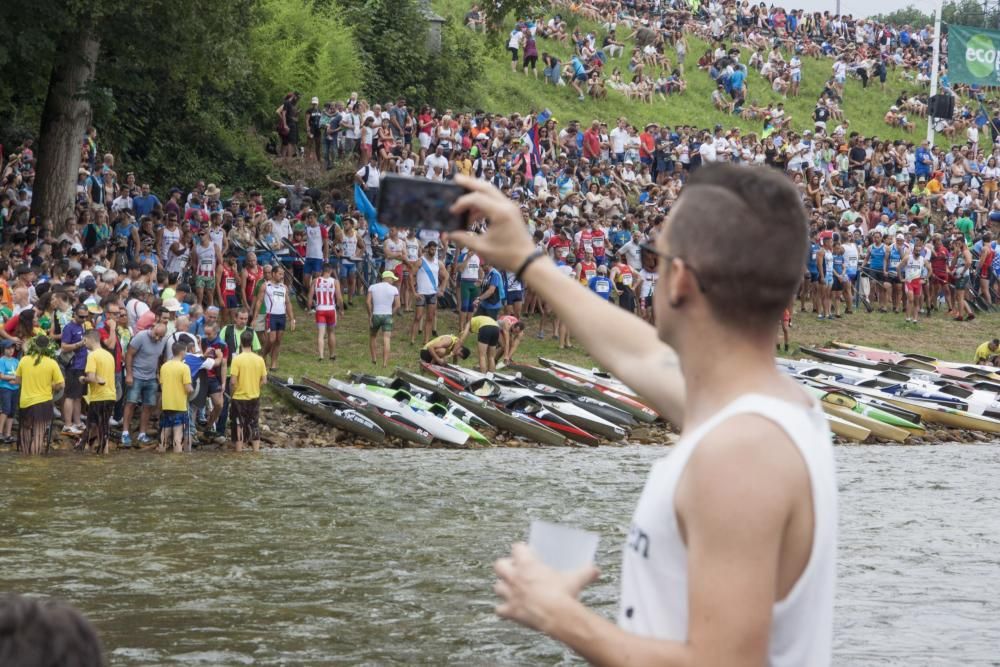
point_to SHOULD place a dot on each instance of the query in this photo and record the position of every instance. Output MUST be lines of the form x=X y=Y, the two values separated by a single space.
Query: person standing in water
x=731 y=555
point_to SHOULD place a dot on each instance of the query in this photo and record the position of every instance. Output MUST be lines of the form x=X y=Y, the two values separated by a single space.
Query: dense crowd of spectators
x=183 y=275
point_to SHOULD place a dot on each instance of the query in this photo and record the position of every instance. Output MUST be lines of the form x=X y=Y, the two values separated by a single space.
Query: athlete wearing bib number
x=275 y=298
x=207 y=259
x=324 y=294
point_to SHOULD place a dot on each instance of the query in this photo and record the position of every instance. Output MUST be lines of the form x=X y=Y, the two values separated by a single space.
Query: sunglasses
x=651 y=258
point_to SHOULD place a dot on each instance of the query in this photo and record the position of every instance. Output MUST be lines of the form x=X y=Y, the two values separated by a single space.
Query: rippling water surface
x=316 y=557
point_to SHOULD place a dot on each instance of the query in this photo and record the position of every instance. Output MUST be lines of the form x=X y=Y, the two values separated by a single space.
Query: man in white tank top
x=730 y=558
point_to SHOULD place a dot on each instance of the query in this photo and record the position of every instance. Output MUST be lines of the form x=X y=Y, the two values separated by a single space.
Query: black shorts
x=513 y=53
x=838 y=285
x=892 y=280
x=74 y=388
x=489 y=335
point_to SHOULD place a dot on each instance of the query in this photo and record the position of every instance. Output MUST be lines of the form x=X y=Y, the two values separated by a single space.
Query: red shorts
x=915 y=286
x=327 y=317
x=399 y=271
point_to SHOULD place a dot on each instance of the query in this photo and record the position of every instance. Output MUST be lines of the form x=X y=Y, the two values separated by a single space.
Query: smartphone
x=404 y=201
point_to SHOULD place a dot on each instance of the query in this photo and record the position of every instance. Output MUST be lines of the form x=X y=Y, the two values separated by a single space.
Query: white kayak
x=425 y=420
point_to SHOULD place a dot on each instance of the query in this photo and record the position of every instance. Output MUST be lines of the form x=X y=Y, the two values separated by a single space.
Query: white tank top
x=274 y=298
x=654 y=600
x=393 y=245
x=169 y=238
x=314 y=242
x=425 y=270
x=350 y=246
x=218 y=237
x=471 y=271
x=206 y=260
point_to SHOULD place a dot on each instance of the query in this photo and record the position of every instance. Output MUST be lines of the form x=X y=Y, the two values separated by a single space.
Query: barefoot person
x=383 y=303
x=38 y=376
x=176 y=387
x=99 y=379
x=432 y=279
x=325 y=296
x=248 y=373
x=444 y=349
x=276 y=300
x=715 y=565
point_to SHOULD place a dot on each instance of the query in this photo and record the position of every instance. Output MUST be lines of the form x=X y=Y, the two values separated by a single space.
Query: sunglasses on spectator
x=651 y=258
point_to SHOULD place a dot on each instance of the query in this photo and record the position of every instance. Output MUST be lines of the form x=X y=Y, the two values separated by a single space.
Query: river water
x=375 y=557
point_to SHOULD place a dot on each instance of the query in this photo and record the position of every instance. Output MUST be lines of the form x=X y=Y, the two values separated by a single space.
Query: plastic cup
x=563 y=548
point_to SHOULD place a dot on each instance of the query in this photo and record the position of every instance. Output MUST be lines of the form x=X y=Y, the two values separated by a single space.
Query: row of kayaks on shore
x=552 y=404
x=866 y=393
x=894 y=395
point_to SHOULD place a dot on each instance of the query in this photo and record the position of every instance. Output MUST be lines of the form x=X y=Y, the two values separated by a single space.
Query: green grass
x=939 y=337
x=505 y=92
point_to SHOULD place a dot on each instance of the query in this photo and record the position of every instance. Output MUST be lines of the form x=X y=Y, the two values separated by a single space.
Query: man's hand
x=128 y=379
x=532 y=592
x=506 y=242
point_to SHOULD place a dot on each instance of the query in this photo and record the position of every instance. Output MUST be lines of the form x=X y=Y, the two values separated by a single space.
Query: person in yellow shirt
x=488 y=334
x=175 y=387
x=442 y=349
x=99 y=378
x=248 y=373
x=39 y=377
x=988 y=352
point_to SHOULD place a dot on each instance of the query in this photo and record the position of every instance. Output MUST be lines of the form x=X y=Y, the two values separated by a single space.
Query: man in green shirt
x=231 y=333
x=965 y=225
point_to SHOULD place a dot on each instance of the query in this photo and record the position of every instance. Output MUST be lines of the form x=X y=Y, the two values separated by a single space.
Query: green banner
x=973 y=55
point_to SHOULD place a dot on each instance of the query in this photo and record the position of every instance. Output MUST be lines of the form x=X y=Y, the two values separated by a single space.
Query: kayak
x=845 y=407
x=928 y=411
x=517 y=424
x=978 y=371
x=640 y=412
x=585 y=421
x=438 y=411
x=393 y=423
x=589 y=405
x=434 y=425
x=336 y=413
x=594 y=375
x=846 y=429
x=520 y=403
x=440 y=405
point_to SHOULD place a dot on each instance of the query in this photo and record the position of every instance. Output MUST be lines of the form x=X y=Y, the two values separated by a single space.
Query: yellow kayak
x=846 y=429
x=874 y=426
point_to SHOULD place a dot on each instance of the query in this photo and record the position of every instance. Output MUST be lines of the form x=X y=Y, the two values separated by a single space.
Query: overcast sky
x=857 y=7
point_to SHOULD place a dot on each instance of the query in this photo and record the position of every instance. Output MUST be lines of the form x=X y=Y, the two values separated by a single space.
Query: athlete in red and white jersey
x=229 y=288
x=324 y=294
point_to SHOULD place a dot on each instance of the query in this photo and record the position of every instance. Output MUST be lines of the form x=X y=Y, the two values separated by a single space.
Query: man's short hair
x=725 y=209
x=246 y=339
x=179 y=347
x=39 y=633
x=93 y=334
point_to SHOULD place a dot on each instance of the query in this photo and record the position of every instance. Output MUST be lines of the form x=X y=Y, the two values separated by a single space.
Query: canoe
x=892 y=416
x=503 y=420
x=846 y=429
x=640 y=412
x=603 y=410
x=336 y=413
x=434 y=425
x=951 y=369
x=438 y=411
x=393 y=423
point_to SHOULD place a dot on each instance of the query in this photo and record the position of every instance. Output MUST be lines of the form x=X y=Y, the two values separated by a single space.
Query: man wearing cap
x=382 y=302
x=432 y=279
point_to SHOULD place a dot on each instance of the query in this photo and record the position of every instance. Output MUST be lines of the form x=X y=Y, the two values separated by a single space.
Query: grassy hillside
x=503 y=91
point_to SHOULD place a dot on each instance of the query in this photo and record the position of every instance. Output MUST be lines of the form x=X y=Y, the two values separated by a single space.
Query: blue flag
x=540 y=120
x=362 y=204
